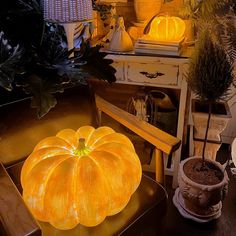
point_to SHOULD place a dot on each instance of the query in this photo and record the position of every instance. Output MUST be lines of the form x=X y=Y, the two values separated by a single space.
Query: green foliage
x=95 y=63
x=210 y=72
x=43 y=65
x=41 y=91
x=228 y=38
x=103 y=9
x=189 y=9
x=49 y=69
x=195 y=9
x=9 y=60
x=217 y=17
x=211 y=66
x=31 y=5
x=210 y=76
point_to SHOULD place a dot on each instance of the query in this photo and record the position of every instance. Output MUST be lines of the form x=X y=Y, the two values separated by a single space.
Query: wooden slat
x=15 y=218
x=160 y=176
x=160 y=139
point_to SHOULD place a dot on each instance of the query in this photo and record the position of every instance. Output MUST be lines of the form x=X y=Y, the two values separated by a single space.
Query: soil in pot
x=217 y=108
x=207 y=175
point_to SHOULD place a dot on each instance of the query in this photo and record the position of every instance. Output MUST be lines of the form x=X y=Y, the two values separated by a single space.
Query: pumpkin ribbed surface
x=80 y=177
x=167 y=28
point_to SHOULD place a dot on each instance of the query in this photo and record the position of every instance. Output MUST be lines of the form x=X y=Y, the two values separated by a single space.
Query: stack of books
x=147 y=46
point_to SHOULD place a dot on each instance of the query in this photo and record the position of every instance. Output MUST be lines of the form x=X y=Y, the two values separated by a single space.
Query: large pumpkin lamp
x=165 y=29
x=80 y=177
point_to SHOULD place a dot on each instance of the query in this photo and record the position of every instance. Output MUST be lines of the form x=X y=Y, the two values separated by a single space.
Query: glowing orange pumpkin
x=166 y=28
x=80 y=176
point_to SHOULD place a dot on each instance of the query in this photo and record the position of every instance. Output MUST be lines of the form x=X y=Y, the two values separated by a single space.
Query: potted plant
x=210 y=77
x=40 y=65
x=203 y=182
x=217 y=18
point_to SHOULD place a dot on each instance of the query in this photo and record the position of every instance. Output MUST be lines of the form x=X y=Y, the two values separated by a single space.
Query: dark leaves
x=46 y=67
x=31 y=5
x=218 y=17
x=210 y=71
x=103 y=9
x=96 y=64
x=9 y=59
x=49 y=68
x=42 y=92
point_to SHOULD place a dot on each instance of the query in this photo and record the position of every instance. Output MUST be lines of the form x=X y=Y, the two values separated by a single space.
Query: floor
x=224 y=226
x=175 y=224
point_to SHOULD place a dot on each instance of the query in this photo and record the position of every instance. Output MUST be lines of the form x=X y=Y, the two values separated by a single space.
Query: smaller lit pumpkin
x=80 y=177
x=166 y=28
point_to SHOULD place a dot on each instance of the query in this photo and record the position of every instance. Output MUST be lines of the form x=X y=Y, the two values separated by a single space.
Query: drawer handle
x=151 y=75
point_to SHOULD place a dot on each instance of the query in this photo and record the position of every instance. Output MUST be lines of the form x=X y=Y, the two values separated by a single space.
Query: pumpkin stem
x=81 y=143
x=82 y=150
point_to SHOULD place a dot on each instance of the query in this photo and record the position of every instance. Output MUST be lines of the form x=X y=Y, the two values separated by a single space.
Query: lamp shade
x=66 y=11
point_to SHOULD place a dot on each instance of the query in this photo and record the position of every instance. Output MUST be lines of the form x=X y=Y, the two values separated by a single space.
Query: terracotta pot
x=146 y=9
x=200 y=201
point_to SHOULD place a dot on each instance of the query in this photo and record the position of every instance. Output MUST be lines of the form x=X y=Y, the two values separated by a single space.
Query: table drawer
x=153 y=73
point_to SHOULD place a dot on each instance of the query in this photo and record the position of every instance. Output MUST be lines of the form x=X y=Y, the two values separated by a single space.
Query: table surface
x=150 y=196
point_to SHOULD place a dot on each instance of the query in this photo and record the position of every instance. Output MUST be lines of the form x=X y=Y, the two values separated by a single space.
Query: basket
x=66 y=11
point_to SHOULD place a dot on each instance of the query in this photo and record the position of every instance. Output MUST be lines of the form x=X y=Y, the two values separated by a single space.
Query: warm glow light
x=166 y=28
x=233 y=151
x=80 y=177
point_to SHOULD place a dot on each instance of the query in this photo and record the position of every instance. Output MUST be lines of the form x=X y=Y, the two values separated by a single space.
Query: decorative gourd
x=166 y=28
x=80 y=177
x=120 y=41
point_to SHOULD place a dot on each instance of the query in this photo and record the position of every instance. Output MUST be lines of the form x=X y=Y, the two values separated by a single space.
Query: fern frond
x=31 y=5
x=209 y=7
x=229 y=40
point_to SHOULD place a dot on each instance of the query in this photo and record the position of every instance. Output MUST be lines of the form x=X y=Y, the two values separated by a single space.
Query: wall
x=126 y=9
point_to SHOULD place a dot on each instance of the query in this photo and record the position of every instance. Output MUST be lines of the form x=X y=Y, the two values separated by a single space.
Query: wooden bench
x=162 y=141
x=16 y=220
x=144 y=214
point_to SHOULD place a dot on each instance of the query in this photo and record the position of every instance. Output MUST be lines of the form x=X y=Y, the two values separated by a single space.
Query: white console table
x=162 y=72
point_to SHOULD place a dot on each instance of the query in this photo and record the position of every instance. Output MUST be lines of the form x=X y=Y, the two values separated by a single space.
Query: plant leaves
x=46 y=62
x=9 y=59
x=96 y=64
x=42 y=93
x=210 y=71
x=31 y=5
